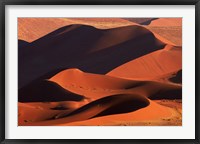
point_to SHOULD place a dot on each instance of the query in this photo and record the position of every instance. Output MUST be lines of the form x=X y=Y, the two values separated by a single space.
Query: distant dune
x=141 y=21
x=166 y=22
x=31 y=29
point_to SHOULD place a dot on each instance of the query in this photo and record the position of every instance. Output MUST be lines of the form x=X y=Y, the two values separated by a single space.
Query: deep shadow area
x=46 y=91
x=177 y=78
x=168 y=94
x=22 y=43
x=142 y=21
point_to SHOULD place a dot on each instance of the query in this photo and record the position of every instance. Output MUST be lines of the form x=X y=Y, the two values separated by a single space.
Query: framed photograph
x=118 y=71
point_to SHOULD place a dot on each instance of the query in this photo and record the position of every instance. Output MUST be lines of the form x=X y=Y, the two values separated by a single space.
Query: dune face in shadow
x=46 y=91
x=177 y=78
x=142 y=21
x=86 y=48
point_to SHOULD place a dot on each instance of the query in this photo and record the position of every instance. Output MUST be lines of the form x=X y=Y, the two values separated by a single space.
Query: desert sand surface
x=99 y=72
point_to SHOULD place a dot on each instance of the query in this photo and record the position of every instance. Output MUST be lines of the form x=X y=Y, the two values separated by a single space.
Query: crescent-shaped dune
x=109 y=105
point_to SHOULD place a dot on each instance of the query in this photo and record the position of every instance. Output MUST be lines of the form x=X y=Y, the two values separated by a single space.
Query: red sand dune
x=95 y=86
x=90 y=75
x=30 y=29
x=145 y=116
x=151 y=66
x=84 y=47
x=104 y=96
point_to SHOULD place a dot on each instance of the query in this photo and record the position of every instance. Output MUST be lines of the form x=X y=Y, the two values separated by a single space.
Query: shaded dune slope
x=142 y=21
x=177 y=78
x=46 y=91
x=84 y=47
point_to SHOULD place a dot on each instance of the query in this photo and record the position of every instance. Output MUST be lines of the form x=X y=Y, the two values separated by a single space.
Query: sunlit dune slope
x=30 y=29
x=169 y=28
x=84 y=47
x=95 y=86
x=151 y=66
x=30 y=112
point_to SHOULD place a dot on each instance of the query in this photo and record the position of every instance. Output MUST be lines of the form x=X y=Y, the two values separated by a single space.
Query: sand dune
x=84 y=47
x=99 y=72
x=159 y=116
x=151 y=66
x=87 y=116
x=95 y=86
x=109 y=105
x=30 y=29
x=169 y=28
x=103 y=95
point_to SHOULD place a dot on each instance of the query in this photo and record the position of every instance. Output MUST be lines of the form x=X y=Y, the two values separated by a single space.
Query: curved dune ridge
x=96 y=86
x=115 y=104
x=84 y=47
x=151 y=66
x=148 y=115
x=106 y=96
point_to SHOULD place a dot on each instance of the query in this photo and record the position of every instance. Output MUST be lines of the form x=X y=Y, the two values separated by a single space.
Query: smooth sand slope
x=166 y=22
x=151 y=66
x=84 y=47
x=169 y=28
